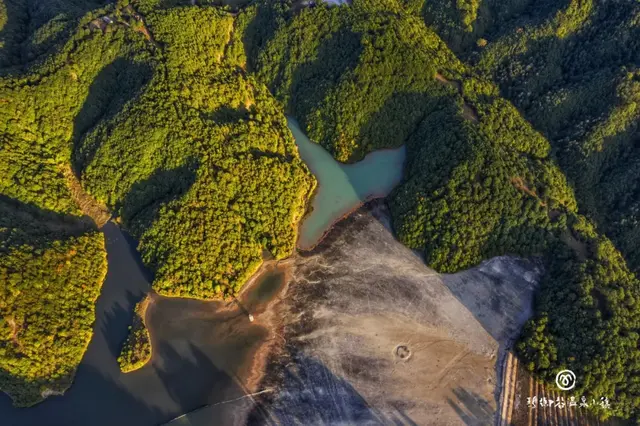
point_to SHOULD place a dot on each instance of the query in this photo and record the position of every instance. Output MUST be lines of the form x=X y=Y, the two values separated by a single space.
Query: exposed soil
x=467 y=110
x=522 y=186
x=14 y=332
x=205 y=354
x=237 y=345
x=85 y=202
x=578 y=247
x=372 y=335
x=356 y=331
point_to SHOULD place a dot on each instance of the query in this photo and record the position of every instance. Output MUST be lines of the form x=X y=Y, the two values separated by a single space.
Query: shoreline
x=345 y=166
x=249 y=363
x=368 y=200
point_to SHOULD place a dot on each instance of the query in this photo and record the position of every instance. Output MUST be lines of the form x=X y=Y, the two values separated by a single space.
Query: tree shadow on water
x=191 y=378
x=114 y=324
x=181 y=378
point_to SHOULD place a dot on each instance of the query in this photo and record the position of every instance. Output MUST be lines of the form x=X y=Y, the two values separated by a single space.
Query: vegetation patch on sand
x=136 y=350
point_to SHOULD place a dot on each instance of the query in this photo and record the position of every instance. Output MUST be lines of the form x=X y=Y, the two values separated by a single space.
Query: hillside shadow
x=25 y=223
x=494 y=20
x=21 y=390
x=13 y=32
x=174 y=384
x=439 y=139
x=95 y=398
x=312 y=81
x=126 y=268
x=114 y=325
x=499 y=293
x=192 y=379
x=398 y=118
x=171 y=4
x=34 y=28
x=145 y=198
x=472 y=409
x=309 y=393
x=114 y=86
x=126 y=283
x=394 y=125
x=305 y=391
x=260 y=30
x=180 y=378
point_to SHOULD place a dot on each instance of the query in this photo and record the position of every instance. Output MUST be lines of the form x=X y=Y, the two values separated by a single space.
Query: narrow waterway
x=343 y=187
x=203 y=352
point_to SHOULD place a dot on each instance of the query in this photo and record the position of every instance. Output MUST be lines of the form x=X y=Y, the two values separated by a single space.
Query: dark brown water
x=263 y=291
x=201 y=354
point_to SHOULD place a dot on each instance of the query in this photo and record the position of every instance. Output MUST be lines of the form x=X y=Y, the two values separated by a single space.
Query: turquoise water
x=343 y=187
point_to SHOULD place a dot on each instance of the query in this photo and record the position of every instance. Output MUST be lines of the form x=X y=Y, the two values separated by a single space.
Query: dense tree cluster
x=29 y=29
x=52 y=261
x=51 y=270
x=343 y=71
x=136 y=350
x=572 y=69
x=172 y=116
x=211 y=178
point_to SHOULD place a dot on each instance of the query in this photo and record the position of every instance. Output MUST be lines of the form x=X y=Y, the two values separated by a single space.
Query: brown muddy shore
x=203 y=352
x=239 y=331
x=374 y=201
x=238 y=337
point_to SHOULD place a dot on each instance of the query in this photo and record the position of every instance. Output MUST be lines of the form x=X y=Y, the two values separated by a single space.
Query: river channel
x=203 y=352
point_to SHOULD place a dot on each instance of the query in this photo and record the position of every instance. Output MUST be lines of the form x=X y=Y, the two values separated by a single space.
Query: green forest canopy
x=158 y=118
x=136 y=350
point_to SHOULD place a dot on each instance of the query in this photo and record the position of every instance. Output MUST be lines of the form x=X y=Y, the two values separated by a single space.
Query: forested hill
x=572 y=69
x=481 y=179
x=149 y=106
x=52 y=260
